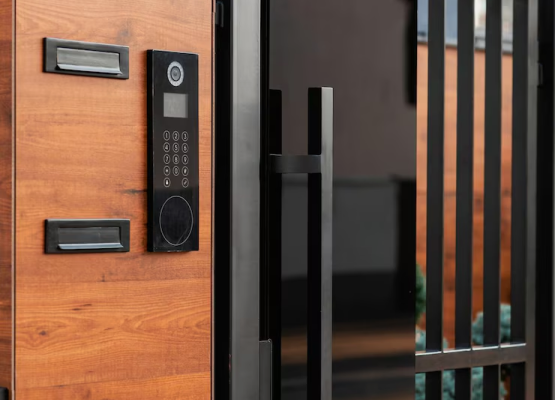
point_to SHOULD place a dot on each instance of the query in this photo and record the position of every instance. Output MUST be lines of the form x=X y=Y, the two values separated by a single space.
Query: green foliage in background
x=420 y=293
x=449 y=385
x=504 y=328
x=449 y=377
x=421 y=340
x=504 y=332
x=477 y=338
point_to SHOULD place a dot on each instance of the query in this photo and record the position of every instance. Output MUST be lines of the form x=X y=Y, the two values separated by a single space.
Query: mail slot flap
x=85 y=58
x=88 y=61
x=86 y=235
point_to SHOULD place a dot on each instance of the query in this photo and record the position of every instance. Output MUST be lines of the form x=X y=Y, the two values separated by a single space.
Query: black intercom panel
x=173 y=176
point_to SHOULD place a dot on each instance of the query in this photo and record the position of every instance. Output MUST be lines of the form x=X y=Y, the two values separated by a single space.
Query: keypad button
x=167 y=158
x=167 y=182
x=176 y=147
x=175 y=135
x=166 y=147
x=185 y=159
x=166 y=170
x=184 y=135
x=185 y=182
x=175 y=159
x=185 y=171
x=185 y=148
x=176 y=171
x=166 y=135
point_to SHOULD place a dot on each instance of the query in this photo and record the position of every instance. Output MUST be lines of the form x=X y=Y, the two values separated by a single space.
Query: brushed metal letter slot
x=99 y=62
x=85 y=58
x=86 y=235
x=90 y=246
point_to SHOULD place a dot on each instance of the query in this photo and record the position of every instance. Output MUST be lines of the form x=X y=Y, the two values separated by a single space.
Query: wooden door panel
x=117 y=329
x=116 y=326
x=6 y=210
x=189 y=387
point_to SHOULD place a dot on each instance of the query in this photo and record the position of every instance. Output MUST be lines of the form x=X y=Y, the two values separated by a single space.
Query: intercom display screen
x=176 y=105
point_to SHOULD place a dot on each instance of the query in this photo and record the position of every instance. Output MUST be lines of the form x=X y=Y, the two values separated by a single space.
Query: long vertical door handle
x=318 y=164
x=320 y=199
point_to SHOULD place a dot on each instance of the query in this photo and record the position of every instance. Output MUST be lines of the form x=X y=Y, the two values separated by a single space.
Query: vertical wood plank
x=6 y=184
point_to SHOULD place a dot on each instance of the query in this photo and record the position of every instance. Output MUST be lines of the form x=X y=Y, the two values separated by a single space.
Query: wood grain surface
x=450 y=179
x=105 y=326
x=6 y=209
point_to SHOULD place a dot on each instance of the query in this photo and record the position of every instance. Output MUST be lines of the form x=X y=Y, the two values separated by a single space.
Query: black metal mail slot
x=84 y=58
x=86 y=235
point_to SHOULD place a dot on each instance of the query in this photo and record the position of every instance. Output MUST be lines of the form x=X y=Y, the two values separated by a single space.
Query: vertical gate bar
x=222 y=222
x=544 y=361
x=320 y=206
x=465 y=191
x=266 y=115
x=274 y=201
x=266 y=371
x=434 y=385
x=465 y=172
x=531 y=157
x=434 y=218
x=491 y=382
x=492 y=178
x=463 y=388
x=518 y=382
x=519 y=171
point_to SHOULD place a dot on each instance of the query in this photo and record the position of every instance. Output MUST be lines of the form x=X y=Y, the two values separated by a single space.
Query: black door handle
x=318 y=164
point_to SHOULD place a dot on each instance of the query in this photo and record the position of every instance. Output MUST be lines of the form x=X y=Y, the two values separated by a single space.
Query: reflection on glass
x=359 y=49
x=294 y=287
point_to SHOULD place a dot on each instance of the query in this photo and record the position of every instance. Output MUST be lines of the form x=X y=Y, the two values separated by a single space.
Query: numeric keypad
x=176 y=143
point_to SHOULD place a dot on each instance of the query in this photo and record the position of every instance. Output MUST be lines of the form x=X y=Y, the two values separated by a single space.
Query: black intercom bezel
x=158 y=84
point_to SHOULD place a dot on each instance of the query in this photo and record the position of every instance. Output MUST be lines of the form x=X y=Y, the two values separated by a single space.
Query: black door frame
x=237 y=200
x=244 y=246
x=545 y=358
x=239 y=234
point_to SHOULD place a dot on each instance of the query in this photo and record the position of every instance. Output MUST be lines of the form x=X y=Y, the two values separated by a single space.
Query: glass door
x=338 y=198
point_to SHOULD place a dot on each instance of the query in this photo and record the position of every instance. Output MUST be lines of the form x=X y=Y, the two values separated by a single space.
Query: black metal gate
x=243 y=356
x=520 y=352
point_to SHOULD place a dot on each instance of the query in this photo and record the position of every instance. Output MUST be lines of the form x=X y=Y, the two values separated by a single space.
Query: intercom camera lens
x=175 y=74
